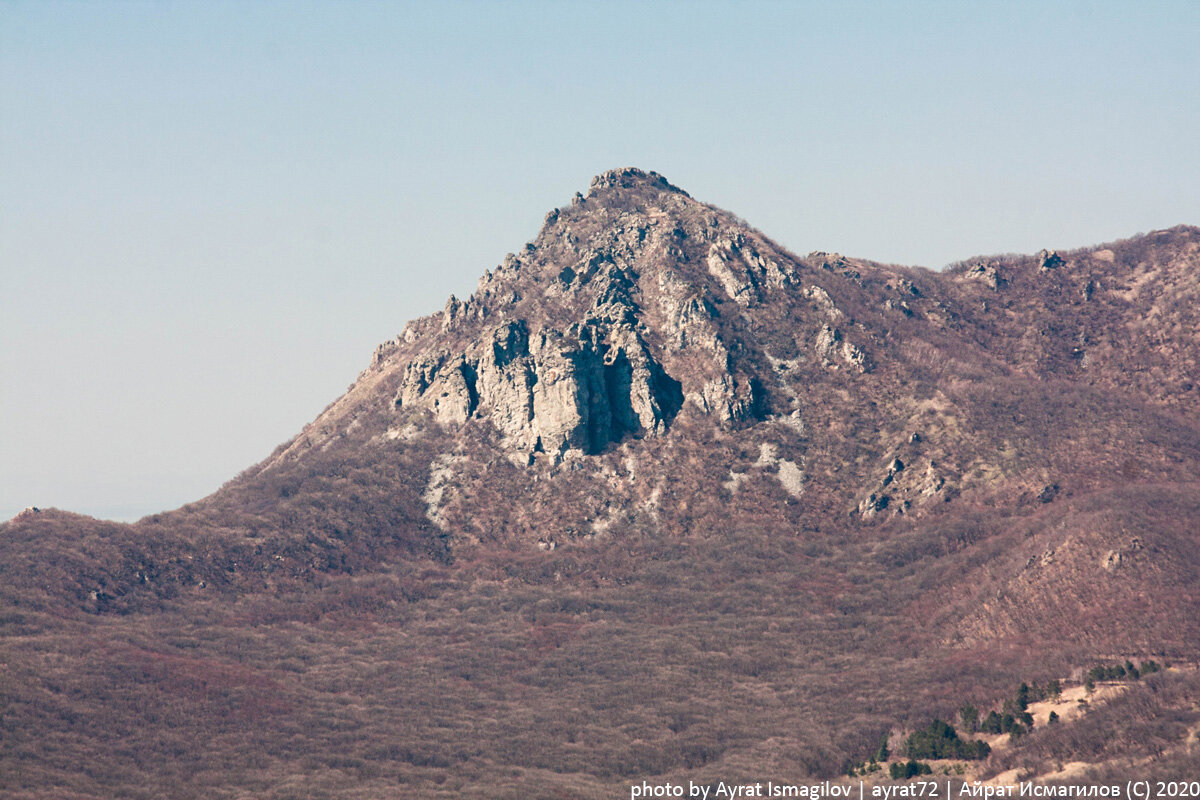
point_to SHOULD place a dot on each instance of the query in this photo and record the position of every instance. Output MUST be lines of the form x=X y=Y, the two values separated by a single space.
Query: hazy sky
x=211 y=213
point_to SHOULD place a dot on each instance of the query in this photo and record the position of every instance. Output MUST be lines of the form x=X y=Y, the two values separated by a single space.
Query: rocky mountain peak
x=632 y=177
x=651 y=436
x=625 y=311
x=581 y=340
x=638 y=311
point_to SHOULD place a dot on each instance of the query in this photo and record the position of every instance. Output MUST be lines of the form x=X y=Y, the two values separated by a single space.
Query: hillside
x=659 y=500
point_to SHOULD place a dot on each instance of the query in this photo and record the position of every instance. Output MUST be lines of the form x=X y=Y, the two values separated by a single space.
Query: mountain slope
x=660 y=498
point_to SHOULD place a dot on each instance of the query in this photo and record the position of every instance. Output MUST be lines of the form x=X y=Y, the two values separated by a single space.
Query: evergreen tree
x=969 y=715
x=882 y=753
x=1023 y=696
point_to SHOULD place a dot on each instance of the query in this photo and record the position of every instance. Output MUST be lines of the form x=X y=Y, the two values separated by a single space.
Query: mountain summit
x=662 y=498
x=606 y=326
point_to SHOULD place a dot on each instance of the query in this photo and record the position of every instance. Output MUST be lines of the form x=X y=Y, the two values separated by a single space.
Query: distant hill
x=659 y=500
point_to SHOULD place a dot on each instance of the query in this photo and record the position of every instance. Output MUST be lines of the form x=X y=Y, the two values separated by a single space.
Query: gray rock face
x=1049 y=259
x=743 y=272
x=553 y=390
x=831 y=346
x=988 y=274
x=873 y=504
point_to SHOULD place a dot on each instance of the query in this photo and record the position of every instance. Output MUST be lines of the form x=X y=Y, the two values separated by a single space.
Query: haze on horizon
x=210 y=213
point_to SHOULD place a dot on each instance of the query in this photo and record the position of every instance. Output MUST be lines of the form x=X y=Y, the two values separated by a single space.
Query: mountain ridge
x=631 y=178
x=658 y=463
x=636 y=308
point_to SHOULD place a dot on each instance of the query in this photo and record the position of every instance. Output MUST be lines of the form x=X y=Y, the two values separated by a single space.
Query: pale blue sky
x=210 y=213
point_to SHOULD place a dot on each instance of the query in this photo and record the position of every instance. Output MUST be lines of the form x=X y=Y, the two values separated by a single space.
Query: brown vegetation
x=885 y=493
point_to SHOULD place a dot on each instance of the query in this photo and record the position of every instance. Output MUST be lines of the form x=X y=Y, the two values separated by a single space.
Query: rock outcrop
x=988 y=274
x=1049 y=259
x=600 y=332
x=553 y=390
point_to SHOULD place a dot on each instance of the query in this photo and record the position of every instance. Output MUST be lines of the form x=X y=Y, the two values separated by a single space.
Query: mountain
x=660 y=500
